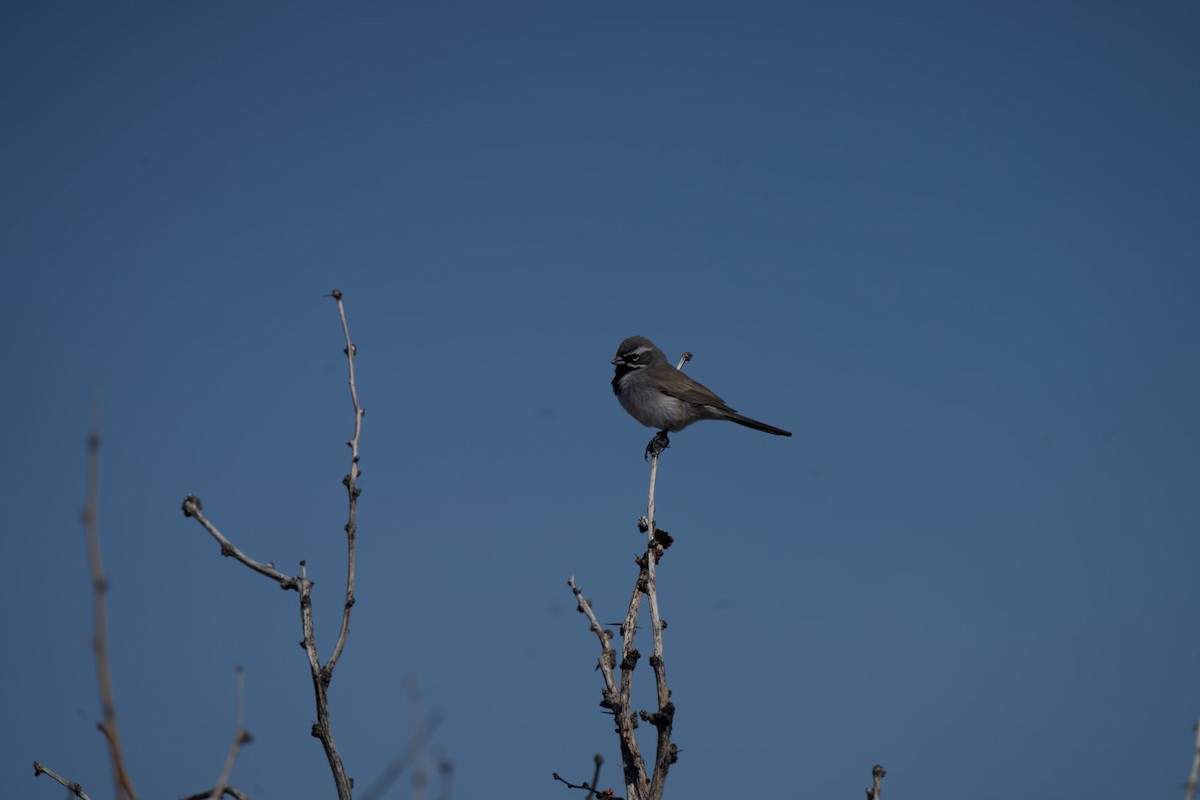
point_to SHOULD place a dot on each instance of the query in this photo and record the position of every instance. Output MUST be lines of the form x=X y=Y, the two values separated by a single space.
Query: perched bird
x=660 y=396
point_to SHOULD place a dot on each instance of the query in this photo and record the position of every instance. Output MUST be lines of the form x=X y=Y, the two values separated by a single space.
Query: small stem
x=71 y=786
x=664 y=752
x=240 y=737
x=619 y=701
x=350 y=481
x=876 y=790
x=108 y=704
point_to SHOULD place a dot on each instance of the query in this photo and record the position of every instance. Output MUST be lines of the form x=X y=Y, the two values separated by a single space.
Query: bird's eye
x=634 y=357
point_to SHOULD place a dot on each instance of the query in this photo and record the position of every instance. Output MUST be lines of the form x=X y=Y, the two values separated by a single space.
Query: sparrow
x=658 y=395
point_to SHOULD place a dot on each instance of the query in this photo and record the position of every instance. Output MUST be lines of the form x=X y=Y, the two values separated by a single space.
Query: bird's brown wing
x=688 y=390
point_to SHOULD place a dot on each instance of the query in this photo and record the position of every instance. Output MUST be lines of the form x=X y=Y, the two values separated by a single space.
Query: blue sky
x=953 y=247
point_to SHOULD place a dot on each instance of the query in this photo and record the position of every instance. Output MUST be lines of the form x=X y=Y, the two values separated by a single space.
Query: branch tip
x=191 y=505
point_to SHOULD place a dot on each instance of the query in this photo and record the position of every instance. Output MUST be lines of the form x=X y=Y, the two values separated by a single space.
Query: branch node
x=191 y=504
x=875 y=791
x=661 y=718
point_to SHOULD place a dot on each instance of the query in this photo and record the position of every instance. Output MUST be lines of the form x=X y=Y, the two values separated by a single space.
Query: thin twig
x=422 y=731
x=876 y=790
x=350 y=481
x=608 y=656
x=108 y=703
x=192 y=507
x=241 y=736
x=599 y=761
x=229 y=790
x=1194 y=776
x=71 y=786
x=619 y=700
x=592 y=788
x=321 y=676
x=663 y=718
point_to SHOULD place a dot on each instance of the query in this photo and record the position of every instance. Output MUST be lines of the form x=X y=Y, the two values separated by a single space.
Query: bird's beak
x=618 y=361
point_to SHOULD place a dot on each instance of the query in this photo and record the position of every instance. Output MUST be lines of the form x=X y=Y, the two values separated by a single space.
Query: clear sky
x=952 y=246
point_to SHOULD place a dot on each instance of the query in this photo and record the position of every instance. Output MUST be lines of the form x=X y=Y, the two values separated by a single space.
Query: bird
x=658 y=395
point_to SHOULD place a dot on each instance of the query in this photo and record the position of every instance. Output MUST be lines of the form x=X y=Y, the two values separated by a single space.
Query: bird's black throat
x=622 y=371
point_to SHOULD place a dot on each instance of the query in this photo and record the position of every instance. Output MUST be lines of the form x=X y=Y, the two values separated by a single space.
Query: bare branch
x=229 y=790
x=108 y=704
x=591 y=788
x=301 y=584
x=71 y=786
x=665 y=753
x=599 y=761
x=241 y=736
x=618 y=701
x=608 y=656
x=350 y=481
x=422 y=731
x=322 y=729
x=876 y=790
x=192 y=508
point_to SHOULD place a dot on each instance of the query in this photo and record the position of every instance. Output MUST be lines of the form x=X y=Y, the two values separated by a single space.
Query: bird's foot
x=659 y=443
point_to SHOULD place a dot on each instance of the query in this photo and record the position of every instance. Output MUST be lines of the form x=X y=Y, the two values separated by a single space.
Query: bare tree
x=617 y=696
x=321 y=672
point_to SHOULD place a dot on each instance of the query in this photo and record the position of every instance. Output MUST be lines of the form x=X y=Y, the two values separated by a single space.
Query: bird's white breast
x=649 y=406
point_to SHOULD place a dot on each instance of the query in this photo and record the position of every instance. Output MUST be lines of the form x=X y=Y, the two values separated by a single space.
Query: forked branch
x=619 y=698
x=241 y=737
x=322 y=674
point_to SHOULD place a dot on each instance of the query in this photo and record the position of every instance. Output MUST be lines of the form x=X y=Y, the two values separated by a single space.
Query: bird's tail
x=758 y=426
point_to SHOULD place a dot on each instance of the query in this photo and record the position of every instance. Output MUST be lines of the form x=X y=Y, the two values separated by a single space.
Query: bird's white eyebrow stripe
x=637 y=351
